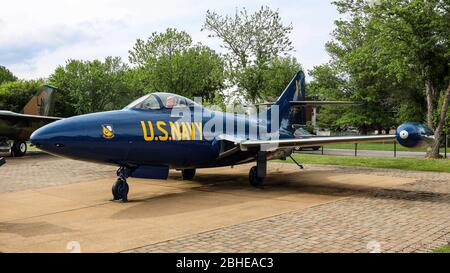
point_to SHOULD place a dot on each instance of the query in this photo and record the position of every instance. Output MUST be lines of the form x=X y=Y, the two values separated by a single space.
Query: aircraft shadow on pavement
x=291 y=183
x=220 y=190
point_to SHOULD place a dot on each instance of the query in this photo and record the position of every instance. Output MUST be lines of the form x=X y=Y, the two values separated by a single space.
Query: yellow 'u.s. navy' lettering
x=163 y=131
x=175 y=130
x=144 y=130
x=185 y=131
x=199 y=127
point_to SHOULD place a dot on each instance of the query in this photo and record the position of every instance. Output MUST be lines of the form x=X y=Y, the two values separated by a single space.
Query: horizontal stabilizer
x=8 y=115
x=302 y=103
x=324 y=102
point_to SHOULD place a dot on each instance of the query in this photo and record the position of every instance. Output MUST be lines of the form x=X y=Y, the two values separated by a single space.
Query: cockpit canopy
x=156 y=101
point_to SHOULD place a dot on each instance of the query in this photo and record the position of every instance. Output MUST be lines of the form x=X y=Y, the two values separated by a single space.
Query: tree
x=6 y=75
x=158 y=45
x=392 y=52
x=170 y=62
x=90 y=86
x=256 y=44
x=15 y=95
x=327 y=84
x=332 y=82
x=421 y=29
x=267 y=81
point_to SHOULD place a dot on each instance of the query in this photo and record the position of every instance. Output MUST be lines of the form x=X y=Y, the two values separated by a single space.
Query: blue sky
x=36 y=39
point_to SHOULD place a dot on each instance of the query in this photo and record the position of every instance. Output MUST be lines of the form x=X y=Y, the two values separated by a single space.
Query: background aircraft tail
x=42 y=104
x=290 y=116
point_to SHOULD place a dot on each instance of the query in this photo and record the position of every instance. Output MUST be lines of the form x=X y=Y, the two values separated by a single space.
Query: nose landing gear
x=120 y=187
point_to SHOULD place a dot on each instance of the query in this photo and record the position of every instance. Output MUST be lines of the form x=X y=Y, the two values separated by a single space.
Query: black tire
x=120 y=190
x=19 y=148
x=188 y=174
x=255 y=181
x=316 y=148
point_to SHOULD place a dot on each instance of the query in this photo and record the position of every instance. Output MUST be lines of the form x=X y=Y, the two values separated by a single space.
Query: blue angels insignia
x=108 y=131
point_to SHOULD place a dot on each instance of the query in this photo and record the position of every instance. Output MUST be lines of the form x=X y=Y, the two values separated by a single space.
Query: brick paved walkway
x=409 y=218
x=38 y=170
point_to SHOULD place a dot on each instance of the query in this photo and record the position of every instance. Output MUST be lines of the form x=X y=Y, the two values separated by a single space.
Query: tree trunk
x=429 y=90
x=434 y=152
x=363 y=131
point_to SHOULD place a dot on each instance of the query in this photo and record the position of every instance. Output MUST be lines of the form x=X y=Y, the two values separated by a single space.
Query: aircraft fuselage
x=133 y=137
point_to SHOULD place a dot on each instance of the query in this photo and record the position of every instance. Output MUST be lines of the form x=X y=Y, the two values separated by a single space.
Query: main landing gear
x=258 y=173
x=188 y=174
x=120 y=187
x=19 y=148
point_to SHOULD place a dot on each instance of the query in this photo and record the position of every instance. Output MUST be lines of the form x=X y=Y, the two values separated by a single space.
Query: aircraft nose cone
x=53 y=137
x=38 y=138
x=84 y=137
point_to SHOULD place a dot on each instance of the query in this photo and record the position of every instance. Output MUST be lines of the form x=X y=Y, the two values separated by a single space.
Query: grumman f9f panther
x=163 y=131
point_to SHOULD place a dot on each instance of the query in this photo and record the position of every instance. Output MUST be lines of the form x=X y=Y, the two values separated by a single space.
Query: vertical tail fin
x=42 y=104
x=288 y=116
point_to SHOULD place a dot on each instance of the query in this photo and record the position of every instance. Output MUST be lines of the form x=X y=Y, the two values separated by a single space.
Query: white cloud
x=37 y=36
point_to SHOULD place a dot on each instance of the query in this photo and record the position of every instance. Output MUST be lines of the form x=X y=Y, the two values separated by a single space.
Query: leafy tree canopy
x=15 y=95
x=6 y=75
x=267 y=81
x=394 y=55
x=170 y=62
x=257 y=47
x=90 y=86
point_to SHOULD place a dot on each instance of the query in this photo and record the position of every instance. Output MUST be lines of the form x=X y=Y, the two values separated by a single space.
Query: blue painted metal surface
x=413 y=134
x=82 y=138
x=149 y=137
x=151 y=172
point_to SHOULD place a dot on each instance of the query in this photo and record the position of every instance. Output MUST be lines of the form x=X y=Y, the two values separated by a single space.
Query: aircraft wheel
x=188 y=174
x=120 y=190
x=19 y=148
x=255 y=181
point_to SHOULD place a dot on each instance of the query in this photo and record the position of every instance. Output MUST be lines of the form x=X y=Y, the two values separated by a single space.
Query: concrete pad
x=51 y=219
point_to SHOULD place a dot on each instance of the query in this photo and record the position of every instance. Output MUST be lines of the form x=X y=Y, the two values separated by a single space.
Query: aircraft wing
x=8 y=115
x=20 y=126
x=311 y=141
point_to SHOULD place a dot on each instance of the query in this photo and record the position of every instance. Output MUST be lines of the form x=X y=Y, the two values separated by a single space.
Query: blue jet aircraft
x=163 y=131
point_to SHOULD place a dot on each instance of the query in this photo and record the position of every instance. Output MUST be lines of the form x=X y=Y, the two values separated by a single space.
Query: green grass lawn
x=443 y=249
x=418 y=164
x=378 y=146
